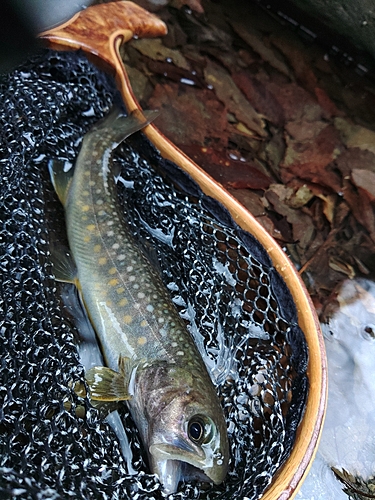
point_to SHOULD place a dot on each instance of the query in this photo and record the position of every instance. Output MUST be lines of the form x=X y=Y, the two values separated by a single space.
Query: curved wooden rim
x=289 y=478
x=286 y=483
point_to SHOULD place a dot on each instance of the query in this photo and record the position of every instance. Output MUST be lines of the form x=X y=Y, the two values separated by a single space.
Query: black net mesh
x=239 y=310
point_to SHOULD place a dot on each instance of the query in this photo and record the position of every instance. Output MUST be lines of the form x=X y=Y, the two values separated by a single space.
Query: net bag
x=241 y=314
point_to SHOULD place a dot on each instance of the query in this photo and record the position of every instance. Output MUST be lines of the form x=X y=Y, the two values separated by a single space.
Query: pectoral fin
x=64 y=267
x=60 y=178
x=108 y=385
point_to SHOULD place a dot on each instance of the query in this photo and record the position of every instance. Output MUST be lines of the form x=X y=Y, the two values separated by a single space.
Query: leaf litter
x=271 y=117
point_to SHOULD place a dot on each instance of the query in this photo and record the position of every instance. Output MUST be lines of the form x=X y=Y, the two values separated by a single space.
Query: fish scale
x=152 y=359
x=122 y=284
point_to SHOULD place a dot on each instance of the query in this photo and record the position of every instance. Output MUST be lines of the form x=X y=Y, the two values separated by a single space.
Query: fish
x=151 y=359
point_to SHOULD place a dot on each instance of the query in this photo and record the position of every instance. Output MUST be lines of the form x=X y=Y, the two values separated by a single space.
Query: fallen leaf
x=259 y=97
x=342 y=267
x=303 y=228
x=329 y=206
x=296 y=103
x=364 y=179
x=308 y=160
x=250 y=200
x=254 y=40
x=155 y=49
x=189 y=115
x=355 y=136
x=230 y=173
x=361 y=207
x=329 y=107
x=168 y=70
x=139 y=82
x=303 y=130
x=233 y=99
x=300 y=197
x=275 y=228
x=297 y=58
x=354 y=158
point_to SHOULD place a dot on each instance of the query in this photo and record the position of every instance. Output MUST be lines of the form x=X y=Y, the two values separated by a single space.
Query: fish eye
x=200 y=430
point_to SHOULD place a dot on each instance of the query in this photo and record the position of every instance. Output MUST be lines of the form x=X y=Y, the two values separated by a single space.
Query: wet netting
x=54 y=444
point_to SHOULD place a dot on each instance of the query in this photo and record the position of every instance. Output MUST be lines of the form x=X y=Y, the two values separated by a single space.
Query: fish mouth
x=174 y=463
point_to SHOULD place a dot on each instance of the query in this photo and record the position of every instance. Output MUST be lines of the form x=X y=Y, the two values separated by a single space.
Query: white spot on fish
x=174 y=344
x=110 y=223
x=121 y=257
x=149 y=308
x=110 y=233
x=141 y=295
x=180 y=353
x=129 y=269
x=115 y=246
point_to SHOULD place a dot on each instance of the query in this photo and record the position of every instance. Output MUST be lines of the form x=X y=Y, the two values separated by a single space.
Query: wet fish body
x=152 y=359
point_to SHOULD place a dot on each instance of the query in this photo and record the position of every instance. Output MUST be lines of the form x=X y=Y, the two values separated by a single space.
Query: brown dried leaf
x=189 y=115
x=329 y=205
x=309 y=160
x=303 y=130
x=139 y=82
x=300 y=197
x=155 y=49
x=254 y=40
x=174 y=73
x=250 y=200
x=274 y=228
x=342 y=267
x=229 y=94
x=259 y=97
x=361 y=207
x=297 y=104
x=355 y=136
x=365 y=179
x=294 y=51
x=230 y=173
x=353 y=158
x=329 y=107
x=303 y=228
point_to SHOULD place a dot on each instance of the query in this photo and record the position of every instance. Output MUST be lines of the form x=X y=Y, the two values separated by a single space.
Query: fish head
x=188 y=438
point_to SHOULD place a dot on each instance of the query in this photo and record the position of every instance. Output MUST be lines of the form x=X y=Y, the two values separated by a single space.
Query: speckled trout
x=152 y=360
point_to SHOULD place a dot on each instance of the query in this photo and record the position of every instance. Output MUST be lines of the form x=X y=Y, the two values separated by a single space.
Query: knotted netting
x=54 y=444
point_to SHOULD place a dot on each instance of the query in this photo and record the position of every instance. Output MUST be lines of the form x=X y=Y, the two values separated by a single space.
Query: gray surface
x=353 y=19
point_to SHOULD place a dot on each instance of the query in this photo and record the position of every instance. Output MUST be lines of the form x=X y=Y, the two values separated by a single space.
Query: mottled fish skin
x=134 y=318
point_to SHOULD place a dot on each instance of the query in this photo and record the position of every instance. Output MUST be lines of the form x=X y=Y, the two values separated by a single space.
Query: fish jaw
x=169 y=473
x=173 y=463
